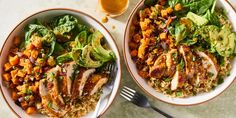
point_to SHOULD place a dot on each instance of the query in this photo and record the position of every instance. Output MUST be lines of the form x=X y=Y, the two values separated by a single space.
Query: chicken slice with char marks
x=178 y=79
x=159 y=67
x=188 y=61
x=66 y=82
x=80 y=81
x=171 y=61
x=209 y=63
x=94 y=84
x=52 y=102
x=165 y=65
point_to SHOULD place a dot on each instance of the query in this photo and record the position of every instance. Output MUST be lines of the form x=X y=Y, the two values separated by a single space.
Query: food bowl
x=45 y=16
x=193 y=100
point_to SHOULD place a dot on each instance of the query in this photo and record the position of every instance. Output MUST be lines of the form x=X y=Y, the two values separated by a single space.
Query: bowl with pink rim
x=193 y=100
x=46 y=15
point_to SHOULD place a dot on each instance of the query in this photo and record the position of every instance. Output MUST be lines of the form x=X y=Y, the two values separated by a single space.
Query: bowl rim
x=135 y=79
x=107 y=106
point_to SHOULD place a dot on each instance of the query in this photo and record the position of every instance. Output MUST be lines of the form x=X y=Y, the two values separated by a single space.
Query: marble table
x=13 y=11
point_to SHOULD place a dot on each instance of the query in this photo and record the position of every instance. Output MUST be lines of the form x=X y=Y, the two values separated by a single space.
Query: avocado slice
x=64 y=58
x=197 y=19
x=85 y=59
x=223 y=40
x=98 y=51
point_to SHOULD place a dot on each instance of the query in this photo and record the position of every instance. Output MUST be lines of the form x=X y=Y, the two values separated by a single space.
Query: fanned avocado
x=226 y=43
x=223 y=40
x=99 y=52
x=85 y=59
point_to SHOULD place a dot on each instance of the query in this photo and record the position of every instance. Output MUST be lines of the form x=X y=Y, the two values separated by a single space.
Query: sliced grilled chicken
x=52 y=85
x=159 y=67
x=80 y=81
x=178 y=79
x=200 y=75
x=66 y=82
x=210 y=64
x=171 y=61
x=50 y=107
x=188 y=60
x=94 y=84
x=165 y=65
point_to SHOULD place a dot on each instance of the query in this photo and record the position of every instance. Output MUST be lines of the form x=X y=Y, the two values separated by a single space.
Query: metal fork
x=139 y=100
x=111 y=70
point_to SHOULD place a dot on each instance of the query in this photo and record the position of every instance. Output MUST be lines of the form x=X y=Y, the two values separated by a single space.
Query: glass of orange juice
x=113 y=7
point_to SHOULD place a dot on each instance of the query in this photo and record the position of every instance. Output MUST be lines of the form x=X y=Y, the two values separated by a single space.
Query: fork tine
x=128 y=92
x=124 y=96
x=129 y=89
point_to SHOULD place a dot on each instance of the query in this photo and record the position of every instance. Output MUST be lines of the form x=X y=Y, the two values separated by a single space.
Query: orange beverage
x=114 y=7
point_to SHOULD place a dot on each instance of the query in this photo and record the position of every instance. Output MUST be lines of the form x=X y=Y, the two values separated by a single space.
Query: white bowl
x=200 y=98
x=45 y=16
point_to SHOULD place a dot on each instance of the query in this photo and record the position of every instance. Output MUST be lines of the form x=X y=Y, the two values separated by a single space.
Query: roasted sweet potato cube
x=34 y=54
x=7 y=66
x=21 y=73
x=6 y=77
x=14 y=60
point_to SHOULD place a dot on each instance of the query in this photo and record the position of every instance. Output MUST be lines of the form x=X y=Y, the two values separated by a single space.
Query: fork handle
x=161 y=112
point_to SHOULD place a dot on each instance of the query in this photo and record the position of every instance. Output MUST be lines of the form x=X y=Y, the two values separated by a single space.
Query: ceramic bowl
x=45 y=16
x=200 y=98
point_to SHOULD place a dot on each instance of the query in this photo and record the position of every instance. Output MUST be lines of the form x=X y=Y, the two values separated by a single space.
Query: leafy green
x=48 y=37
x=189 y=42
x=211 y=16
x=150 y=2
x=58 y=49
x=180 y=33
x=82 y=28
x=81 y=39
x=199 y=7
x=172 y=3
x=63 y=25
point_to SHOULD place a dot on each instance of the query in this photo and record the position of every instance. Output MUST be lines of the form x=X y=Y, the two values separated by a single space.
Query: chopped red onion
x=19 y=54
x=173 y=17
x=20 y=99
x=166 y=30
x=32 y=60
